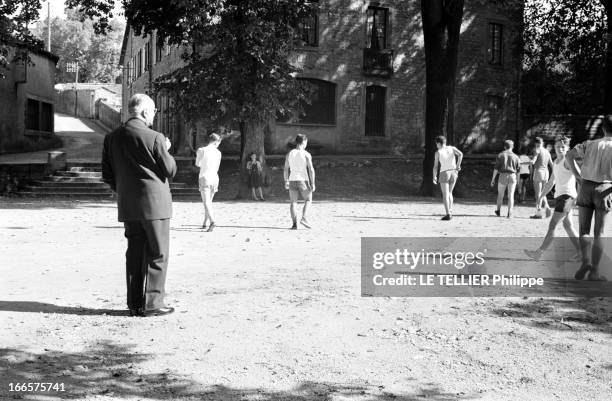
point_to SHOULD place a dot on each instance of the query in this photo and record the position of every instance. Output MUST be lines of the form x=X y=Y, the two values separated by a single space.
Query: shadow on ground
x=41 y=307
x=566 y=314
x=112 y=370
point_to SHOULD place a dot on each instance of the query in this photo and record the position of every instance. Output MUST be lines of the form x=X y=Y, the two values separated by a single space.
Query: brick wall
x=486 y=97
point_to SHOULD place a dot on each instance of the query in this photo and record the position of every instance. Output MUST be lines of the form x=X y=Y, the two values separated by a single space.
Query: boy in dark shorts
x=595 y=196
x=507 y=165
x=565 y=196
x=299 y=177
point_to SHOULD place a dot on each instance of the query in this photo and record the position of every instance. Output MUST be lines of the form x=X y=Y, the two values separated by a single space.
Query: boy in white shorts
x=507 y=165
x=541 y=163
x=564 y=182
x=449 y=158
x=208 y=159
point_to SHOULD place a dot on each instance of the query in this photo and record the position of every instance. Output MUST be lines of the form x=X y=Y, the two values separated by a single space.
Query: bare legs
x=501 y=189
x=537 y=188
x=591 y=253
x=446 y=197
x=207 y=198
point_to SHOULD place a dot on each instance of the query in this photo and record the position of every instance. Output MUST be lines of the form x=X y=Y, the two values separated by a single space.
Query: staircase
x=85 y=181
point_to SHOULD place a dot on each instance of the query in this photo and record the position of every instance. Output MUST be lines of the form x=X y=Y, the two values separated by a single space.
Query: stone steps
x=85 y=181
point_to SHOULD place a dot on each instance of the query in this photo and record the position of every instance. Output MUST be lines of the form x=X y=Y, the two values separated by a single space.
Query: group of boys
x=588 y=164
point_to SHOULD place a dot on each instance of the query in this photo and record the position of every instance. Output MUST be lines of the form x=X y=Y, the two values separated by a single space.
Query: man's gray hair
x=140 y=102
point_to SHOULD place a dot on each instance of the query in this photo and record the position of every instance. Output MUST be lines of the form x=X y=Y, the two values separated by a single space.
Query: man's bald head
x=142 y=106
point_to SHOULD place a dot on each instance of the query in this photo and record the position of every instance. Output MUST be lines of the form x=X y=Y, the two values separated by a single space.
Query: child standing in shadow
x=255 y=176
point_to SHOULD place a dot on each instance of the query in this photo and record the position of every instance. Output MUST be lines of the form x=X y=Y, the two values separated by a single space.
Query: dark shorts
x=524 y=177
x=564 y=203
x=595 y=195
x=300 y=188
x=448 y=177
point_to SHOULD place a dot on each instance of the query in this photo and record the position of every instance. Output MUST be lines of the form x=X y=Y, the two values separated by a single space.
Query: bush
x=31 y=144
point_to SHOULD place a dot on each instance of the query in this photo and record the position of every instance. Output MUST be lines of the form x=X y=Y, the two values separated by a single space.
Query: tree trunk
x=441 y=30
x=252 y=140
x=608 y=64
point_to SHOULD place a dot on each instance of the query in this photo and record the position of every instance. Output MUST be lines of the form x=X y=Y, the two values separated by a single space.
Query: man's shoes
x=536 y=216
x=136 y=312
x=305 y=223
x=211 y=227
x=447 y=217
x=584 y=269
x=165 y=310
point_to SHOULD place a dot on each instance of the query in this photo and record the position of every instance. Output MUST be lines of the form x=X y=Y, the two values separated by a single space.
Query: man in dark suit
x=136 y=164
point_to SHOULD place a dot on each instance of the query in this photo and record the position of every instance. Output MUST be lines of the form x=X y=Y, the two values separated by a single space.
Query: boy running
x=565 y=196
x=299 y=177
x=507 y=165
x=449 y=158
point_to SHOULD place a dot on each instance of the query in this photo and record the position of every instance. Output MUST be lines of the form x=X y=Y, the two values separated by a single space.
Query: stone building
x=367 y=61
x=26 y=97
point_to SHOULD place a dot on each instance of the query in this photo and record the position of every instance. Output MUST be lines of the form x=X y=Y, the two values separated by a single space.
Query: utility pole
x=49 y=25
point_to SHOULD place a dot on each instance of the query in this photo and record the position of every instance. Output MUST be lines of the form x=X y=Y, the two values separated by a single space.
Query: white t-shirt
x=565 y=182
x=208 y=159
x=446 y=156
x=525 y=162
x=298 y=170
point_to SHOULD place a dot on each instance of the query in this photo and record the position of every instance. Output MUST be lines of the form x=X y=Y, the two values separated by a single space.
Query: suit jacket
x=137 y=165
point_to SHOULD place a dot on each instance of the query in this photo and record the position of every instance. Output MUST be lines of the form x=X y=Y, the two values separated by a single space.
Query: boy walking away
x=565 y=196
x=449 y=158
x=299 y=177
x=541 y=162
x=208 y=159
x=594 y=197
x=524 y=173
x=507 y=165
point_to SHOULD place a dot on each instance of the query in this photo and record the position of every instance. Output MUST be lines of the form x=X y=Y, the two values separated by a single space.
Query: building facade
x=27 y=97
x=367 y=62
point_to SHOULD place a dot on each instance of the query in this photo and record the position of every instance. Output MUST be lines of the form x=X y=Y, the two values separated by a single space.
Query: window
x=322 y=107
x=129 y=72
x=159 y=48
x=139 y=67
x=147 y=56
x=308 y=28
x=375 y=110
x=32 y=115
x=39 y=116
x=377 y=20
x=46 y=117
x=496 y=41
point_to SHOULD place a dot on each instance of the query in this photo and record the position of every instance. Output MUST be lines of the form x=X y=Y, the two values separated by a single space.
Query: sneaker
x=584 y=269
x=211 y=227
x=535 y=255
x=536 y=216
x=305 y=222
x=497 y=213
x=294 y=226
x=447 y=217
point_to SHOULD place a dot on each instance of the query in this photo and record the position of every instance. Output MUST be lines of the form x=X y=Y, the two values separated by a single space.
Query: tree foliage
x=74 y=39
x=15 y=18
x=565 y=56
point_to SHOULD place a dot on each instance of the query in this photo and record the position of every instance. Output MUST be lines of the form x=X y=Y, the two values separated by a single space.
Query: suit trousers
x=146 y=262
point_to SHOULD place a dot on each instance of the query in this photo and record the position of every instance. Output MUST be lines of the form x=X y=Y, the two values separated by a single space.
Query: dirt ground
x=265 y=313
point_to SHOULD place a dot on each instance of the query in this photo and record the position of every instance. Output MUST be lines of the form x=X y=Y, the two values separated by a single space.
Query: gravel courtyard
x=265 y=313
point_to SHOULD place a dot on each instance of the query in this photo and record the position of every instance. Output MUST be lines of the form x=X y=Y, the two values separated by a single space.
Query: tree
x=608 y=63
x=441 y=30
x=567 y=43
x=15 y=18
x=74 y=39
x=238 y=71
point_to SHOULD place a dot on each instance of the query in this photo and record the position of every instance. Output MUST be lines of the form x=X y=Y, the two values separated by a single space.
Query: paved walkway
x=82 y=143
